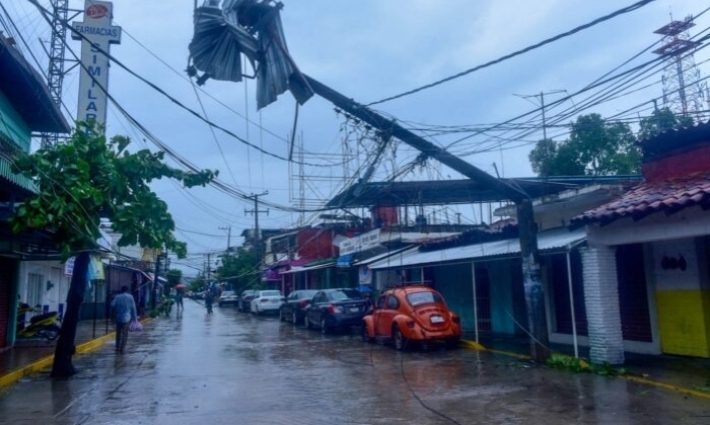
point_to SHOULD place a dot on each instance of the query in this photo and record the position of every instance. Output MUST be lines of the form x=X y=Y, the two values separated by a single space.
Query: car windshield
x=227 y=293
x=307 y=294
x=270 y=294
x=424 y=297
x=344 y=294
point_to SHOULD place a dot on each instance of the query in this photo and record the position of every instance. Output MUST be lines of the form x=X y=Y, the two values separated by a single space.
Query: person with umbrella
x=179 y=292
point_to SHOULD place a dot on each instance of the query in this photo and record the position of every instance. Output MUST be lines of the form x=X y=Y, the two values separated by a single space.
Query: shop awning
x=382 y=256
x=557 y=239
x=345 y=261
x=309 y=268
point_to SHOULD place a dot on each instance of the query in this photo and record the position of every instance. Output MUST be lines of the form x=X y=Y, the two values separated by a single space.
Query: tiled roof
x=669 y=196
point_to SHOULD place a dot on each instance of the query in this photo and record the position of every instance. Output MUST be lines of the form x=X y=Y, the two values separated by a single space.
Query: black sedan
x=244 y=303
x=296 y=302
x=336 y=308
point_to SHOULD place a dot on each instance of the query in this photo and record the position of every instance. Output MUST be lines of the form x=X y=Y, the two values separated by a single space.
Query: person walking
x=124 y=310
x=209 y=299
x=178 y=300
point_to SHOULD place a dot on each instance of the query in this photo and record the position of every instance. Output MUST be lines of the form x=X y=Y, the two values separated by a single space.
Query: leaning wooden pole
x=534 y=296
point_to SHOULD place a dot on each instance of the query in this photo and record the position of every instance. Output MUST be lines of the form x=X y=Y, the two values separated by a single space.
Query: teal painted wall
x=454 y=284
x=502 y=307
x=12 y=126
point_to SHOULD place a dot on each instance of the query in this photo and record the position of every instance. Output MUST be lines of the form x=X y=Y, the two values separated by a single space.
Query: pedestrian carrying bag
x=135 y=326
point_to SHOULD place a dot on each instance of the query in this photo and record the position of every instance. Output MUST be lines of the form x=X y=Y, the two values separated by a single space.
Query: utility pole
x=527 y=226
x=256 y=212
x=229 y=235
x=209 y=270
x=155 y=280
x=532 y=282
x=541 y=95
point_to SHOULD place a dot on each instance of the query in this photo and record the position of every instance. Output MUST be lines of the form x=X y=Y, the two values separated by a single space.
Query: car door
x=291 y=300
x=387 y=314
x=313 y=310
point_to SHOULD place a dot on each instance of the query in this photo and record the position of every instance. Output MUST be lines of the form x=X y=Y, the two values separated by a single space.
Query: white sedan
x=264 y=301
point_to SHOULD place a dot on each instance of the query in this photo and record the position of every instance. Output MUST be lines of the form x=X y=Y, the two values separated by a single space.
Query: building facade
x=26 y=107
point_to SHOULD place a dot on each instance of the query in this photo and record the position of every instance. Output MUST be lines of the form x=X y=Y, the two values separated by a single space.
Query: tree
x=662 y=120
x=240 y=270
x=80 y=182
x=174 y=276
x=595 y=147
x=197 y=284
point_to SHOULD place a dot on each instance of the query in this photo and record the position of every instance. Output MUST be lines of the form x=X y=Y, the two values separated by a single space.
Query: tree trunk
x=63 y=367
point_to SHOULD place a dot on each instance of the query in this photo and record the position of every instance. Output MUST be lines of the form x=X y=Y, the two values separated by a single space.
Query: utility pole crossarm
x=378 y=121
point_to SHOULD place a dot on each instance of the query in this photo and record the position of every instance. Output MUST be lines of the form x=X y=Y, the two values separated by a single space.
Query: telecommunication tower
x=55 y=74
x=683 y=91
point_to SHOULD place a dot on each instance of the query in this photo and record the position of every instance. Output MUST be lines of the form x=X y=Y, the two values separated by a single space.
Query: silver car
x=265 y=301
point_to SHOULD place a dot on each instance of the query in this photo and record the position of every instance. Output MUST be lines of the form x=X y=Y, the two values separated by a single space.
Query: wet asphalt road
x=233 y=368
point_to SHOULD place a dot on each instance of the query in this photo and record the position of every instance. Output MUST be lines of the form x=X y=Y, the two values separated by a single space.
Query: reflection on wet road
x=232 y=367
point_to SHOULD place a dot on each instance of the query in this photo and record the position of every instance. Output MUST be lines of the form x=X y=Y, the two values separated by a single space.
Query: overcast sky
x=367 y=50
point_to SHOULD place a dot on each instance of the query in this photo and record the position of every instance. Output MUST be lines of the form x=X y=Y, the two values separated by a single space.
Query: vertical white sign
x=98 y=34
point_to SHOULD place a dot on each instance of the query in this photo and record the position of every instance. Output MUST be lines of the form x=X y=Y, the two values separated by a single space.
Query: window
x=35 y=289
x=392 y=302
x=381 y=302
x=423 y=297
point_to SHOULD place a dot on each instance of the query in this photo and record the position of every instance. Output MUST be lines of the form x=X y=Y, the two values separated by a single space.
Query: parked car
x=198 y=295
x=244 y=303
x=331 y=309
x=265 y=301
x=293 y=307
x=227 y=297
x=410 y=314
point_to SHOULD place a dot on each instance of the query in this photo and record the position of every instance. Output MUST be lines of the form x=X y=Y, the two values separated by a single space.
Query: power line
x=627 y=9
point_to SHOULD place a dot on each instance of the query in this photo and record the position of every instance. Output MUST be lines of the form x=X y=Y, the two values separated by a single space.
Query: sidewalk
x=684 y=374
x=31 y=356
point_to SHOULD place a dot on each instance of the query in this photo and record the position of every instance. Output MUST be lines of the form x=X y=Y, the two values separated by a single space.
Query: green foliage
x=174 y=276
x=577 y=365
x=573 y=364
x=595 y=147
x=197 y=284
x=240 y=270
x=88 y=178
x=662 y=120
x=165 y=306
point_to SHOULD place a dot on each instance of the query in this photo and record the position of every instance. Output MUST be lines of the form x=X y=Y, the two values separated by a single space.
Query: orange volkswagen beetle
x=411 y=314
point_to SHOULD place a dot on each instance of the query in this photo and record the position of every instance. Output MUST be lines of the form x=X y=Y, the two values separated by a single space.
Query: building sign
x=360 y=243
x=96 y=34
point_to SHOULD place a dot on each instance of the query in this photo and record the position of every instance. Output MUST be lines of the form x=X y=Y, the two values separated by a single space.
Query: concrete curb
x=12 y=377
x=473 y=345
x=645 y=381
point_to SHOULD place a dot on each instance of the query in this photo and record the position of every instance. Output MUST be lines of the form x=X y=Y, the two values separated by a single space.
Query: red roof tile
x=647 y=198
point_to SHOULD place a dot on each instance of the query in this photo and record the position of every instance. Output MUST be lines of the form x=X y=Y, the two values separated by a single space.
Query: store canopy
x=309 y=268
x=380 y=257
x=558 y=239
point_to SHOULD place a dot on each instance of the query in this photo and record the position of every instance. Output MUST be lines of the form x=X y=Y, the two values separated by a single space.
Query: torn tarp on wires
x=252 y=28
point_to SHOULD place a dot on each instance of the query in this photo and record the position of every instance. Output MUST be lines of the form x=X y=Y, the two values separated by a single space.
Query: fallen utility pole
x=534 y=297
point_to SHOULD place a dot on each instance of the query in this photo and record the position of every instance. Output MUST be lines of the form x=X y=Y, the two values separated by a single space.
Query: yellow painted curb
x=479 y=347
x=17 y=374
x=689 y=391
x=473 y=345
x=671 y=387
x=85 y=347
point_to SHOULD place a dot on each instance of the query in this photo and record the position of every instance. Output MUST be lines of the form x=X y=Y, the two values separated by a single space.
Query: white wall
x=51 y=271
x=675 y=279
